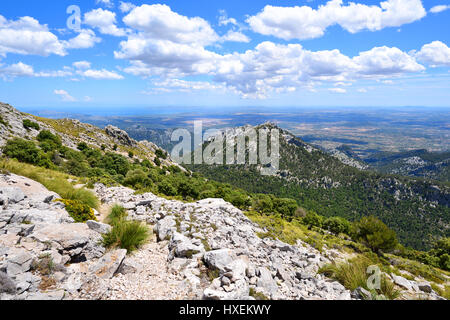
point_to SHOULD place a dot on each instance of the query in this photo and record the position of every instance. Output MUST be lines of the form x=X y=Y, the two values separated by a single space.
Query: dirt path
x=151 y=280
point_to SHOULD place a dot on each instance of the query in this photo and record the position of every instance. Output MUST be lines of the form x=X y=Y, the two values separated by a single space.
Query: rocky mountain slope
x=45 y=255
x=72 y=132
x=416 y=209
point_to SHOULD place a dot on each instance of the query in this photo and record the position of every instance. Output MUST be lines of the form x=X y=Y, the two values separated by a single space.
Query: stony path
x=151 y=280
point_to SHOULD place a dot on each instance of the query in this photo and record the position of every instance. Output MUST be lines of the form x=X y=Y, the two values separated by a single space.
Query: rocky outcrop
x=43 y=254
x=120 y=136
x=226 y=242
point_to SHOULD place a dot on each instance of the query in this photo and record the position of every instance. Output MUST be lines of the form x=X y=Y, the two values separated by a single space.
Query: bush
x=46 y=135
x=238 y=199
x=285 y=207
x=23 y=150
x=82 y=146
x=337 y=225
x=161 y=154
x=157 y=162
x=129 y=235
x=263 y=203
x=28 y=124
x=117 y=214
x=79 y=211
x=130 y=154
x=166 y=188
x=137 y=179
x=312 y=219
x=353 y=274
x=375 y=234
x=188 y=189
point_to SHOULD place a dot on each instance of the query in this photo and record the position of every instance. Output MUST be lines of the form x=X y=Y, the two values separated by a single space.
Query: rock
x=425 y=287
x=109 y=264
x=165 y=227
x=126 y=268
x=402 y=282
x=265 y=281
x=99 y=227
x=7 y=285
x=303 y=276
x=12 y=194
x=236 y=270
x=282 y=274
x=218 y=259
x=361 y=294
x=120 y=136
x=183 y=247
x=75 y=240
x=37 y=216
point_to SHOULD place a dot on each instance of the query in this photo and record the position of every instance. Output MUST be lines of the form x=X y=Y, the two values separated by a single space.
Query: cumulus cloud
x=28 y=37
x=235 y=36
x=105 y=21
x=169 y=85
x=84 y=40
x=159 y=22
x=439 y=8
x=16 y=70
x=65 y=96
x=435 y=53
x=307 y=23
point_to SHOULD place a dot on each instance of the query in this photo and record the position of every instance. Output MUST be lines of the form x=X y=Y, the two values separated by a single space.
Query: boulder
x=218 y=259
x=12 y=194
x=402 y=282
x=75 y=240
x=183 y=247
x=109 y=264
x=99 y=227
x=425 y=287
x=164 y=228
x=265 y=281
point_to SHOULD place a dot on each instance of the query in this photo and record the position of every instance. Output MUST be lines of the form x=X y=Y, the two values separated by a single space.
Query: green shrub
x=165 y=187
x=130 y=235
x=263 y=203
x=23 y=150
x=117 y=214
x=161 y=154
x=337 y=225
x=82 y=146
x=46 y=135
x=157 y=162
x=285 y=207
x=28 y=124
x=79 y=211
x=130 y=154
x=353 y=274
x=137 y=179
x=375 y=234
x=312 y=219
x=188 y=189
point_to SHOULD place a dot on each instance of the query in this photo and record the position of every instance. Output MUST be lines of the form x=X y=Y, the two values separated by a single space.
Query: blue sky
x=225 y=53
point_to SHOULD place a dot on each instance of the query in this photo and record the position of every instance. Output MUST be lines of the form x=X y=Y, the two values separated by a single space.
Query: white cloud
x=105 y=21
x=439 y=8
x=84 y=40
x=224 y=20
x=386 y=61
x=126 y=6
x=308 y=23
x=16 y=70
x=362 y=90
x=435 y=53
x=102 y=74
x=337 y=90
x=235 y=36
x=82 y=64
x=28 y=37
x=159 y=22
x=65 y=96
x=170 y=85
x=106 y=3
